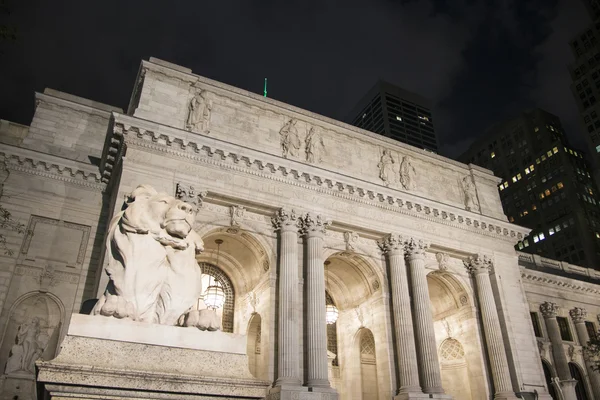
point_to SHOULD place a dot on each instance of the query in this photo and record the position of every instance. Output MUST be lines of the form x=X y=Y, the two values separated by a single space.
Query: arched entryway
x=548 y=377
x=368 y=365
x=355 y=286
x=580 y=387
x=256 y=362
x=457 y=337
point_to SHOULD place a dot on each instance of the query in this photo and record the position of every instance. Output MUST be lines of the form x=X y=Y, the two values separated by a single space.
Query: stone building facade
x=296 y=211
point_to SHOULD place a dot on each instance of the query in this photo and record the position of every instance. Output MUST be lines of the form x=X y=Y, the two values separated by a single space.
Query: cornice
x=47 y=166
x=130 y=130
x=76 y=107
x=559 y=282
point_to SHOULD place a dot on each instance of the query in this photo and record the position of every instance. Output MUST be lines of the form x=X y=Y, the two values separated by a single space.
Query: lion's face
x=153 y=211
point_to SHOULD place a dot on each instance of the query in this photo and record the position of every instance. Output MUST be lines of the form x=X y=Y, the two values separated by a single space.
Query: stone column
x=578 y=316
x=288 y=372
x=567 y=383
x=314 y=228
x=427 y=356
x=480 y=267
x=408 y=373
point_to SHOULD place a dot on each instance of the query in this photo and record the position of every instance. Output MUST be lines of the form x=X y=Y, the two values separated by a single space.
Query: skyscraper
x=585 y=76
x=396 y=113
x=546 y=186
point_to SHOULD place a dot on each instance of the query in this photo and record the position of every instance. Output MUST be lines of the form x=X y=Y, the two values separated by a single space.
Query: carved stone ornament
x=469 y=194
x=285 y=219
x=360 y=315
x=30 y=343
x=47 y=278
x=351 y=238
x=443 y=261
x=237 y=215
x=199 y=111
x=578 y=314
x=416 y=247
x=314 y=148
x=407 y=173
x=253 y=300
x=386 y=167
x=479 y=264
x=289 y=139
x=154 y=276
x=549 y=309
x=190 y=195
x=314 y=224
x=391 y=242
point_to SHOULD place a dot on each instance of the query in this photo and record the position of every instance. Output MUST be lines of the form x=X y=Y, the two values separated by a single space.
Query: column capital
x=479 y=264
x=286 y=219
x=578 y=314
x=312 y=224
x=549 y=309
x=390 y=243
x=415 y=248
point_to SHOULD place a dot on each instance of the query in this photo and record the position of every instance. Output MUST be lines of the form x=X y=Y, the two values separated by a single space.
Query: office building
x=396 y=113
x=547 y=186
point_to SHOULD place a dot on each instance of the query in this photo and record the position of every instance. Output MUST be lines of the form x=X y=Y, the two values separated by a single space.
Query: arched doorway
x=580 y=387
x=548 y=376
x=455 y=324
x=254 y=346
x=454 y=369
x=368 y=365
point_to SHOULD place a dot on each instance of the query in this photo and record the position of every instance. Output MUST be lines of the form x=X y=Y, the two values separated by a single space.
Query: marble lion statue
x=154 y=276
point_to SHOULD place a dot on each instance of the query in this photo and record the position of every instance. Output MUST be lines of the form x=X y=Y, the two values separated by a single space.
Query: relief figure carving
x=407 y=173
x=386 y=168
x=199 y=111
x=314 y=146
x=290 y=142
x=31 y=341
x=469 y=195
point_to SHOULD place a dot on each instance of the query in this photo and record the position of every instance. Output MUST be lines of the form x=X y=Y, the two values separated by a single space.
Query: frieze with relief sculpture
x=199 y=111
x=154 y=276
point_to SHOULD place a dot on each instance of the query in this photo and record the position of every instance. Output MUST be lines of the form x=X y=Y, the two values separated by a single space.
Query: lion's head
x=149 y=211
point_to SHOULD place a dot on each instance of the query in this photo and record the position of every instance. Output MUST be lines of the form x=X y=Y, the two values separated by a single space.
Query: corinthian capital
x=313 y=224
x=391 y=242
x=548 y=309
x=415 y=247
x=478 y=264
x=578 y=314
x=286 y=219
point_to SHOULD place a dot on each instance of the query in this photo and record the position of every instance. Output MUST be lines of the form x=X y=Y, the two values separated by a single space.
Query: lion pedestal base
x=106 y=358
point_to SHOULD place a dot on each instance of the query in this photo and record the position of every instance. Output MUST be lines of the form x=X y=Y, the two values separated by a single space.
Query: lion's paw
x=118 y=307
x=205 y=320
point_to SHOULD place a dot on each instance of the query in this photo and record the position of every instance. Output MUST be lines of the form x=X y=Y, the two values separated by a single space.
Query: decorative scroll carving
x=314 y=146
x=407 y=173
x=199 y=111
x=237 y=215
x=469 y=195
x=351 y=238
x=290 y=141
x=286 y=219
x=478 y=264
x=190 y=195
x=416 y=247
x=154 y=276
x=549 y=309
x=314 y=223
x=578 y=314
x=386 y=168
x=391 y=242
x=443 y=261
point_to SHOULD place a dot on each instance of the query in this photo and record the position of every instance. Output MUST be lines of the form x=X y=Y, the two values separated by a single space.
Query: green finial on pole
x=265 y=93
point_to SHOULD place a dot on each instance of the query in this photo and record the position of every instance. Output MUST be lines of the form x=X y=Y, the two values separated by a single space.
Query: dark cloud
x=478 y=60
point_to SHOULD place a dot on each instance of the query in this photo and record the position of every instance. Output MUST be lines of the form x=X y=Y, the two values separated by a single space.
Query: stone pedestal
x=113 y=359
x=17 y=385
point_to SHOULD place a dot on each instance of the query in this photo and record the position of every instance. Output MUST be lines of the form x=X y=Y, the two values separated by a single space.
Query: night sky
x=478 y=61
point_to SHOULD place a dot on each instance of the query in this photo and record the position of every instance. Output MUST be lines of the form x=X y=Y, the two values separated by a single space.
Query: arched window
x=580 y=386
x=368 y=366
x=212 y=273
x=548 y=376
